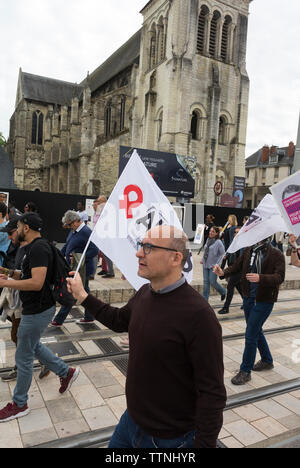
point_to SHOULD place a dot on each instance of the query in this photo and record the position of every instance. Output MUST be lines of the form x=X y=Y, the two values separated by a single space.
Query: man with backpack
x=34 y=282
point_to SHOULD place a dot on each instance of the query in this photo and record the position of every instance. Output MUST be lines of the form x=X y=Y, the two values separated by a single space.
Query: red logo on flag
x=128 y=205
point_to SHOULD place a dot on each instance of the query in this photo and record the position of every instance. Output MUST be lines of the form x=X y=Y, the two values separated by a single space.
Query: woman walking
x=213 y=252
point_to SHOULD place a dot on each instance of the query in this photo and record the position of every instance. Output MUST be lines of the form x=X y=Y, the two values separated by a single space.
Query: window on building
x=196 y=125
x=37 y=128
x=202 y=29
x=122 y=113
x=222 y=131
x=213 y=38
x=225 y=38
x=159 y=126
x=276 y=172
x=160 y=40
x=264 y=173
x=153 y=40
x=108 y=120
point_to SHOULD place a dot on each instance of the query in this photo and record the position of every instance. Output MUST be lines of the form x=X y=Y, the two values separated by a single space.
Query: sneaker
x=10 y=377
x=65 y=384
x=223 y=297
x=101 y=273
x=44 y=372
x=12 y=411
x=55 y=324
x=223 y=311
x=108 y=276
x=84 y=321
x=263 y=366
x=241 y=378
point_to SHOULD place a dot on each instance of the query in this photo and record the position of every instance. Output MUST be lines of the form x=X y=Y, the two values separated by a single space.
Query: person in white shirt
x=82 y=213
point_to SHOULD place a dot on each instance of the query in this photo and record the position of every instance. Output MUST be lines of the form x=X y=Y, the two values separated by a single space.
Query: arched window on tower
x=160 y=40
x=37 y=128
x=225 y=38
x=153 y=38
x=196 y=125
x=108 y=120
x=223 y=130
x=213 y=37
x=202 y=29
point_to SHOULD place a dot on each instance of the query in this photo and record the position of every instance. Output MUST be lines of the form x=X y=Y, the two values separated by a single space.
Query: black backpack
x=58 y=282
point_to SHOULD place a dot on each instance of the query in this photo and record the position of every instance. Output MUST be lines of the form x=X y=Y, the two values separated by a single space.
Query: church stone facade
x=178 y=85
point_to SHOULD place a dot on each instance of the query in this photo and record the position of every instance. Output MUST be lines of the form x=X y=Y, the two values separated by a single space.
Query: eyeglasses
x=148 y=247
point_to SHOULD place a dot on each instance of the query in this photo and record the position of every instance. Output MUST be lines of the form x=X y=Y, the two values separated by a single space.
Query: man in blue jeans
x=33 y=282
x=263 y=270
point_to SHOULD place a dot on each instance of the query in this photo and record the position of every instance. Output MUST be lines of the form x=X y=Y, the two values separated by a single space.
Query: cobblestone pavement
x=97 y=399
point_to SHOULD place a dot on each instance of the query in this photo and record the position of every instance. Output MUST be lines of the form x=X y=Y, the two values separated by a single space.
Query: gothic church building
x=178 y=85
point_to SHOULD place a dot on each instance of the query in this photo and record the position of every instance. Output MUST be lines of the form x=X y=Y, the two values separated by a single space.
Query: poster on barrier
x=199 y=236
x=287 y=197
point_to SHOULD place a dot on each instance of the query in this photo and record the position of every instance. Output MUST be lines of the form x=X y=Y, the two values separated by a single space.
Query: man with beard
x=38 y=308
x=262 y=269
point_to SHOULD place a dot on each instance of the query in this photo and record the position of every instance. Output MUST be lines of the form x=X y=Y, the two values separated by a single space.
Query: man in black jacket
x=262 y=269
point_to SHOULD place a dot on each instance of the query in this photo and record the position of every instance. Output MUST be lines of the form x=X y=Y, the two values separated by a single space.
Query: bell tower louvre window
x=202 y=27
x=225 y=38
x=214 y=34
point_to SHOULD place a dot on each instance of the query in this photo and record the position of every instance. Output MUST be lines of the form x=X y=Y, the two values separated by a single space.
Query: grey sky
x=64 y=40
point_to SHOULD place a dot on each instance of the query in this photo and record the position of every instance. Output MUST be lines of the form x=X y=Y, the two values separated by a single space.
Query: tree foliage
x=2 y=140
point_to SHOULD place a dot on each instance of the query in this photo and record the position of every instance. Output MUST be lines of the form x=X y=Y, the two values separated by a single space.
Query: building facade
x=265 y=168
x=179 y=85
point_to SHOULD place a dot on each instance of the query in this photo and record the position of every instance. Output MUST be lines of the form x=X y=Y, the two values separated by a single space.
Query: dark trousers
x=128 y=435
x=256 y=314
x=234 y=282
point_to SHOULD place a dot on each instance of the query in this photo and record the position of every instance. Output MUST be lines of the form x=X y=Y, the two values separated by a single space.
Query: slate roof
x=283 y=160
x=6 y=171
x=49 y=90
x=124 y=57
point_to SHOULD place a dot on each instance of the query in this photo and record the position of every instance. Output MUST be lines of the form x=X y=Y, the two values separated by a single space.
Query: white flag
x=265 y=221
x=135 y=205
x=287 y=196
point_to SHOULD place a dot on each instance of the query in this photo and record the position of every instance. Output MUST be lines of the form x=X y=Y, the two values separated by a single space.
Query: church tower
x=192 y=89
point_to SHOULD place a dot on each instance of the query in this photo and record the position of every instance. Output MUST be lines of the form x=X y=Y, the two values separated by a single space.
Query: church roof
x=124 y=57
x=7 y=171
x=49 y=90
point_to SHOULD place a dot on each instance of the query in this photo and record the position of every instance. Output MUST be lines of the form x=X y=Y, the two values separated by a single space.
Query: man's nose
x=140 y=253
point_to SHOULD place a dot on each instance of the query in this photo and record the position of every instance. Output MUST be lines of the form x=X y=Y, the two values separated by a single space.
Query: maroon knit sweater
x=175 y=379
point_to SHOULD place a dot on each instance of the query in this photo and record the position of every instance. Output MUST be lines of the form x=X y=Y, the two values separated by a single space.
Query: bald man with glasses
x=175 y=381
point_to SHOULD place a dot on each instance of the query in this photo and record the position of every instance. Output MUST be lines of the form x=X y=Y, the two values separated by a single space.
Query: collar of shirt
x=80 y=227
x=170 y=288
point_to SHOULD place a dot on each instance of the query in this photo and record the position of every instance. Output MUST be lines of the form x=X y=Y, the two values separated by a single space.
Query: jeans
x=256 y=314
x=128 y=435
x=65 y=310
x=210 y=279
x=29 y=347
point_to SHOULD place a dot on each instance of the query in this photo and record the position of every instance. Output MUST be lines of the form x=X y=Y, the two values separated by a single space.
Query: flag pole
x=82 y=256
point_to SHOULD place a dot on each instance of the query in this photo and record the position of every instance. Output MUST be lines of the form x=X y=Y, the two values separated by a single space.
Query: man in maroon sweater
x=175 y=382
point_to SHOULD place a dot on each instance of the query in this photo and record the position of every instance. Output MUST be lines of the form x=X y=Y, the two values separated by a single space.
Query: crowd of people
x=175 y=382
